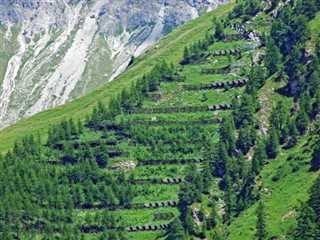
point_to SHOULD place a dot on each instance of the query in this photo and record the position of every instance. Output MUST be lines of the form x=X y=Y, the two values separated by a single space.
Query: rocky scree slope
x=56 y=51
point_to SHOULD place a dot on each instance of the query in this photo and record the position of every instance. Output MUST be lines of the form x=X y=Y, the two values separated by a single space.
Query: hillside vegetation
x=211 y=134
x=170 y=49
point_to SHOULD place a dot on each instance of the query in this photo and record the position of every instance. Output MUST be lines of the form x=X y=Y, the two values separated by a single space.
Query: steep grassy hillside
x=170 y=49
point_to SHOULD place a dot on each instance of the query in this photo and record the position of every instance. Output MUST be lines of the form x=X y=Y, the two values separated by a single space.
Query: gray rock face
x=59 y=50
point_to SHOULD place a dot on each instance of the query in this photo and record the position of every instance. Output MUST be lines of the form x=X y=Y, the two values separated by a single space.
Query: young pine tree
x=219 y=31
x=176 y=231
x=259 y=157
x=293 y=133
x=315 y=162
x=309 y=217
x=261 y=233
x=273 y=57
x=272 y=146
x=302 y=121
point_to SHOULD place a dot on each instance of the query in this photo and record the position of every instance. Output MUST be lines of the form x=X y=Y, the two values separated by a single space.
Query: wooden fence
x=181 y=109
x=233 y=83
x=171 y=161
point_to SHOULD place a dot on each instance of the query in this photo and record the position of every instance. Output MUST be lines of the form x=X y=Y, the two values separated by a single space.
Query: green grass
x=132 y=217
x=314 y=26
x=228 y=45
x=280 y=197
x=162 y=171
x=150 y=235
x=170 y=48
x=155 y=193
x=143 y=216
x=194 y=98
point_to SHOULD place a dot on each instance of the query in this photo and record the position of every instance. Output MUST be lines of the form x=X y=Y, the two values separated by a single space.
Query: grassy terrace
x=159 y=235
x=178 y=116
x=193 y=98
x=133 y=217
x=155 y=193
x=162 y=171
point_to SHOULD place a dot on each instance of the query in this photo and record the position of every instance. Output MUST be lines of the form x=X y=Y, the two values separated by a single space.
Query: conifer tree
x=219 y=31
x=176 y=231
x=246 y=138
x=261 y=223
x=309 y=217
x=272 y=145
x=315 y=161
x=314 y=200
x=229 y=200
x=186 y=53
x=259 y=158
x=302 y=121
x=293 y=133
x=273 y=57
x=212 y=219
x=80 y=126
x=314 y=83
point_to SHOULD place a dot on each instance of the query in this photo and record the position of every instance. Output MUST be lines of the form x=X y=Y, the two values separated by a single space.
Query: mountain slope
x=59 y=47
x=200 y=144
x=170 y=48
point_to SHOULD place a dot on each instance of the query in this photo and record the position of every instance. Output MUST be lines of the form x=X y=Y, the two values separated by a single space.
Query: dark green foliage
x=307 y=228
x=245 y=9
x=302 y=121
x=316 y=105
x=213 y=217
x=259 y=158
x=245 y=110
x=227 y=134
x=219 y=30
x=280 y=119
x=247 y=136
x=176 y=231
x=315 y=161
x=257 y=79
x=314 y=83
x=272 y=145
x=273 y=57
x=221 y=159
x=308 y=8
x=309 y=217
x=293 y=134
x=186 y=53
x=229 y=199
x=261 y=223
x=314 y=200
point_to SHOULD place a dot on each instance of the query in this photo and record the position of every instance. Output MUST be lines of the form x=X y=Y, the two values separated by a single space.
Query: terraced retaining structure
x=168 y=122
x=173 y=161
x=181 y=109
x=177 y=180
